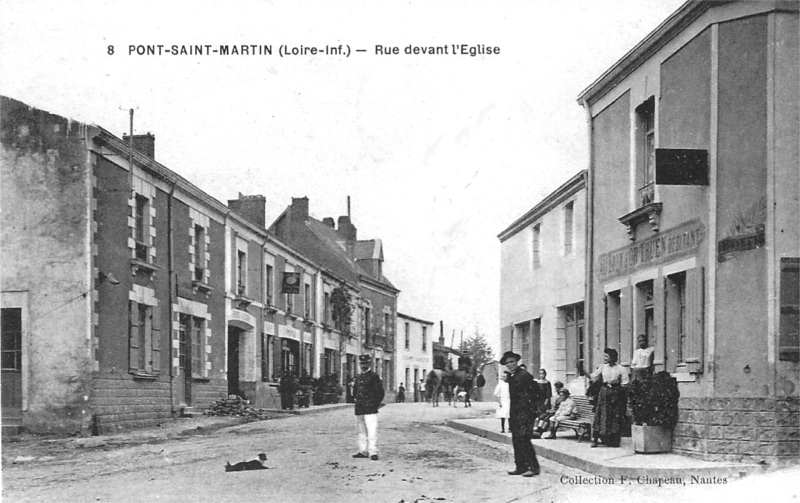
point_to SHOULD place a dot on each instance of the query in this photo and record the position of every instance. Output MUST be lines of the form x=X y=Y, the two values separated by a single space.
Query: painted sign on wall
x=667 y=245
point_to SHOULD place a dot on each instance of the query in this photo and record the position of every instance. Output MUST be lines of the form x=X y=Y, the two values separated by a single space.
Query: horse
x=455 y=379
x=433 y=385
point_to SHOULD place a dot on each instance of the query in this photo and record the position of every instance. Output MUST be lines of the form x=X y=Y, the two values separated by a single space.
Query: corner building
x=693 y=235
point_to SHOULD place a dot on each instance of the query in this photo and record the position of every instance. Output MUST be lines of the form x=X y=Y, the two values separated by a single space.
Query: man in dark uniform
x=368 y=393
x=524 y=392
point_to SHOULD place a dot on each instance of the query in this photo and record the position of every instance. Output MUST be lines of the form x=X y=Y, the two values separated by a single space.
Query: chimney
x=347 y=229
x=252 y=208
x=144 y=143
x=441 y=332
x=329 y=222
x=299 y=209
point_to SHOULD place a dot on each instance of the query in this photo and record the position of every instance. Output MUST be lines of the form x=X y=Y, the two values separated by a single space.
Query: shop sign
x=663 y=247
x=288 y=333
x=243 y=318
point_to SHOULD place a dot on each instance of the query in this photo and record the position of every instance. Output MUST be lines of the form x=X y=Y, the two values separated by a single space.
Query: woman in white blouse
x=610 y=411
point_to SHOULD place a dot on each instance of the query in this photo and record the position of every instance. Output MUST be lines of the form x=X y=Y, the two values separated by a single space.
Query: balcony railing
x=647 y=194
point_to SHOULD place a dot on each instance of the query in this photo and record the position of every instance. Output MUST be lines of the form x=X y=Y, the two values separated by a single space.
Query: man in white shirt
x=642 y=361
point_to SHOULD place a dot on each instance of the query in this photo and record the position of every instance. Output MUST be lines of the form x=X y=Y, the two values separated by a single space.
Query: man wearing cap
x=525 y=395
x=368 y=393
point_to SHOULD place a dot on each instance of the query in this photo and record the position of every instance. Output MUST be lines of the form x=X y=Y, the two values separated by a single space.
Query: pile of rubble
x=236 y=406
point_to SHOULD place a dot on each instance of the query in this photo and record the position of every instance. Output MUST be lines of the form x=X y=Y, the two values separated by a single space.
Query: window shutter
x=300 y=298
x=626 y=326
x=280 y=268
x=133 y=335
x=694 y=319
x=156 y=338
x=148 y=340
x=657 y=339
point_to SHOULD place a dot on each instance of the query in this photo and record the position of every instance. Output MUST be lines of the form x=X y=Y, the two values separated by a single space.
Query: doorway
x=11 y=321
x=234 y=337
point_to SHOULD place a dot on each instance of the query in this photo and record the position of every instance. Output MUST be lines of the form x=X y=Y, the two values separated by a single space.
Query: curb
x=608 y=471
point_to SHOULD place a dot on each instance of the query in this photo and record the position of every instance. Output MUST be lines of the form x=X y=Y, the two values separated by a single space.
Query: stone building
x=414 y=353
x=130 y=296
x=542 y=283
x=693 y=234
x=359 y=265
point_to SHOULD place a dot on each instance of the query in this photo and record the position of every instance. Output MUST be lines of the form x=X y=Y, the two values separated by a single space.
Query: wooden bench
x=582 y=424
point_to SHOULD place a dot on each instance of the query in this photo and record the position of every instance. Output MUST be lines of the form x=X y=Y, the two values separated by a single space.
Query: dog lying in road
x=256 y=464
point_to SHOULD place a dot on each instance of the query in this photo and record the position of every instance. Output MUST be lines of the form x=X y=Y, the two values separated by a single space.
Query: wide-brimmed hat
x=507 y=355
x=364 y=359
x=563 y=391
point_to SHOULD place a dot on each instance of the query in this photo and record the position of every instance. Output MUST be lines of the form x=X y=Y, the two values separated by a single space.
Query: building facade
x=359 y=265
x=542 y=283
x=130 y=296
x=414 y=354
x=693 y=221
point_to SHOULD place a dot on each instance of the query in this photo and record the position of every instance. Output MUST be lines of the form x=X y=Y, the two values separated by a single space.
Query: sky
x=438 y=152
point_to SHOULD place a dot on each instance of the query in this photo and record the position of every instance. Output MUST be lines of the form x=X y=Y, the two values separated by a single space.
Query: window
x=142 y=228
x=537 y=243
x=307 y=300
x=676 y=332
x=387 y=323
x=144 y=338
x=646 y=313
x=408 y=338
x=613 y=318
x=270 y=280
x=190 y=345
x=524 y=333
x=289 y=303
x=574 y=331
x=568 y=228
x=241 y=273
x=326 y=306
x=424 y=338
x=646 y=147
x=789 y=342
x=199 y=253
x=183 y=340
x=367 y=323
x=330 y=362
x=197 y=346
x=11 y=320
x=266 y=344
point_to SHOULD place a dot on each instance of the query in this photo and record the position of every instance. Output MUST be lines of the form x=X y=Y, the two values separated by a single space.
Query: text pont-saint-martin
x=290 y=50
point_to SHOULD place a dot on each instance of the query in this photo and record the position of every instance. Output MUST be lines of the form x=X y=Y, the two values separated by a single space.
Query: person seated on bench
x=566 y=410
x=543 y=422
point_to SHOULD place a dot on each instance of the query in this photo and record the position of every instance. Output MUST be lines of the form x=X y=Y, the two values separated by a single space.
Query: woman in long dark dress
x=610 y=411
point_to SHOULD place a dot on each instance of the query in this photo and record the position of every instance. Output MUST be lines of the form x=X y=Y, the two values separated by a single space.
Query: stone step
x=191 y=412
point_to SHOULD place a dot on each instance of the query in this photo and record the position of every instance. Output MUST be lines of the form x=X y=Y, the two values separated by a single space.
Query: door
x=233 y=360
x=11 y=321
x=185 y=360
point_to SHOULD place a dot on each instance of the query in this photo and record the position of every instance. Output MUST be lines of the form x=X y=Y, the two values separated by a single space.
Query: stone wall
x=739 y=429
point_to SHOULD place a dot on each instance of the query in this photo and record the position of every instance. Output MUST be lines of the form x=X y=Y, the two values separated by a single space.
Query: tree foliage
x=341 y=308
x=478 y=349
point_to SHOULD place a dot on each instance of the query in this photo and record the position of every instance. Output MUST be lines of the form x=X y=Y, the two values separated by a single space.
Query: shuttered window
x=626 y=326
x=144 y=338
x=789 y=342
x=694 y=321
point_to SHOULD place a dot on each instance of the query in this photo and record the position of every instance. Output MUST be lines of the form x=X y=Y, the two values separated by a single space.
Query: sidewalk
x=612 y=462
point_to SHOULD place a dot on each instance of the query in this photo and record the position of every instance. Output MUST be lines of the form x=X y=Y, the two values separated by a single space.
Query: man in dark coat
x=368 y=393
x=525 y=395
x=287 y=388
